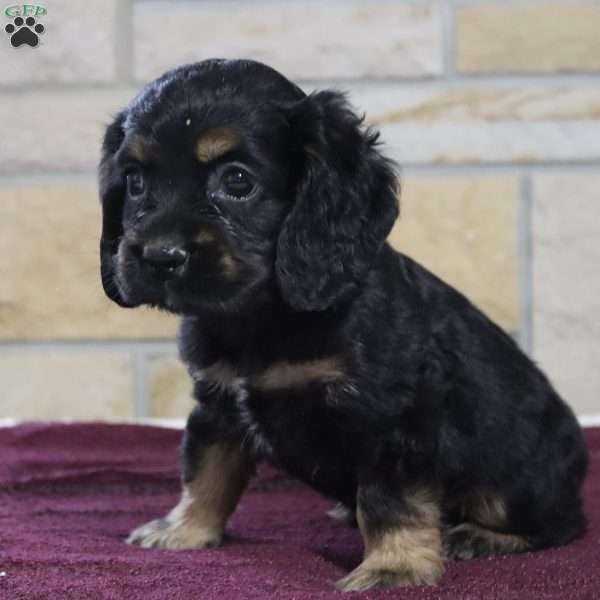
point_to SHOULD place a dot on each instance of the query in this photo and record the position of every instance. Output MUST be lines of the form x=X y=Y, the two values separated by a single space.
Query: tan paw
x=179 y=535
x=365 y=577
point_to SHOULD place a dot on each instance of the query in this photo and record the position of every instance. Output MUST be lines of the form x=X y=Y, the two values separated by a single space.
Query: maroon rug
x=69 y=494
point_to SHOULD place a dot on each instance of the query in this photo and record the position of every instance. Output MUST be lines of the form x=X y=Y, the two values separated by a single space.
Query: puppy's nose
x=167 y=259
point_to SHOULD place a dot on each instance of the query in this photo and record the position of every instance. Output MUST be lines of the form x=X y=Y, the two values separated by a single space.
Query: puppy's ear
x=112 y=191
x=345 y=207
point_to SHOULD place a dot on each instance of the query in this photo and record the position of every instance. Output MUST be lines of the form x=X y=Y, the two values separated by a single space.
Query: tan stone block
x=566 y=285
x=170 y=388
x=303 y=39
x=78 y=45
x=420 y=124
x=65 y=384
x=56 y=131
x=475 y=124
x=51 y=286
x=464 y=230
x=528 y=37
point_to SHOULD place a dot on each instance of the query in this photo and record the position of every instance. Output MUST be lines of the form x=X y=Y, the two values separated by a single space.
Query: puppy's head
x=224 y=185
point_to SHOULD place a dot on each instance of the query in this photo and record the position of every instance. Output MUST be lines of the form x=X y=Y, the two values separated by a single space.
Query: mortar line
x=140 y=385
x=503 y=167
x=502 y=3
x=160 y=346
x=449 y=39
x=64 y=177
x=576 y=166
x=585 y=420
x=525 y=252
x=123 y=49
x=556 y=79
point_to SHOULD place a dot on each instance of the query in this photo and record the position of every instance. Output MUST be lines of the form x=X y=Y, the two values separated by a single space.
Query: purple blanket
x=69 y=494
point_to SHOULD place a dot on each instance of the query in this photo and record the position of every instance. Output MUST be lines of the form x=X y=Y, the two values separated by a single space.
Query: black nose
x=167 y=260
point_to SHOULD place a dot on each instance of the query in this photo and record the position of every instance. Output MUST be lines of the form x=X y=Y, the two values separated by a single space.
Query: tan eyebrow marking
x=141 y=149
x=215 y=143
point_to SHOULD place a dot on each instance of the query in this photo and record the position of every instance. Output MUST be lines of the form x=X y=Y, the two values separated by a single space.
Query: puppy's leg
x=214 y=479
x=467 y=540
x=485 y=532
x=402 y=539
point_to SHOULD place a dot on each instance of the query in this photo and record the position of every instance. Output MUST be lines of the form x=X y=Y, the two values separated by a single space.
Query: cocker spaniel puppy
x=260 y=215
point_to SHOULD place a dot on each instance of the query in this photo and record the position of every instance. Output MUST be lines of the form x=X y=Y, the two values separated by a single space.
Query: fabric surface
x=69 y=495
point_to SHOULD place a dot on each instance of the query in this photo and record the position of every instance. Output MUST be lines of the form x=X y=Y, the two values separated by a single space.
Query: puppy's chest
x=286 y=412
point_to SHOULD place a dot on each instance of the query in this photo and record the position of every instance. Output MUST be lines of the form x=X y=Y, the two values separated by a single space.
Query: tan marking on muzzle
x=215 y=143
x=205 y=236
x=230 y=265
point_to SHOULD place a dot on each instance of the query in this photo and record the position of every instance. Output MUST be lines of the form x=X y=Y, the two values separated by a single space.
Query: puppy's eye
x=135 y=183
x=237 y=182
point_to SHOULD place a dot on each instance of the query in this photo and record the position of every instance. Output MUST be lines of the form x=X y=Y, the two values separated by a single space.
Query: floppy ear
x=345 y=207
x=112 y=190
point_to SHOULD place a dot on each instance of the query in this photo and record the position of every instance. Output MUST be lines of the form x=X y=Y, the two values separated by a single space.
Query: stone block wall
x=491 y=107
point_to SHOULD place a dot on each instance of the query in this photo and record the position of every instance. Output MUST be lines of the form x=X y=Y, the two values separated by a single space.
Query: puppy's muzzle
x=163 y=259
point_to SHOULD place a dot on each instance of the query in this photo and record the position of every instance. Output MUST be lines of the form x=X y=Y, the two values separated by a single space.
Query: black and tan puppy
x=260 y=215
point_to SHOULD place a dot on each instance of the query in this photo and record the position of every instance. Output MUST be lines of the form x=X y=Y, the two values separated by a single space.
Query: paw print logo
x=24 y=32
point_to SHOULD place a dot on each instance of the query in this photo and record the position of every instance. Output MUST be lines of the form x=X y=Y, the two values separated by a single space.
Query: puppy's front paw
x=395 y=567
x=364 y=578
x=178 y=535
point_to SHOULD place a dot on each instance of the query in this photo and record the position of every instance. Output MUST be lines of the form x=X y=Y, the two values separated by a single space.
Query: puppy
x=260 y=214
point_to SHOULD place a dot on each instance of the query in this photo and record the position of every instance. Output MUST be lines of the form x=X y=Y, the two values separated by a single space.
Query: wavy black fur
x=434 y=395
